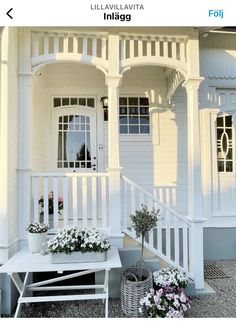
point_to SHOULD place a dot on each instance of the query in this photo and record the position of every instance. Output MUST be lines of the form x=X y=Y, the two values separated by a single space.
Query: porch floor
x=222 y=304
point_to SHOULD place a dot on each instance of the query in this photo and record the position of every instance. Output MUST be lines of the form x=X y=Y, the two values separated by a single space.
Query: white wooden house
x=167 y=138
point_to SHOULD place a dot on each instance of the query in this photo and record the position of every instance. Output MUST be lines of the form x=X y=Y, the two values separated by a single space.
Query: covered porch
x=99 y=194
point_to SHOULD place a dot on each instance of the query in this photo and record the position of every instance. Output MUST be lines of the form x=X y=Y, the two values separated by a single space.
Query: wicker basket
x=132 y=290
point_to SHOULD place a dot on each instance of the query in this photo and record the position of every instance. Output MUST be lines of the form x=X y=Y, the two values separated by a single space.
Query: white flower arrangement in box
x=77 y=241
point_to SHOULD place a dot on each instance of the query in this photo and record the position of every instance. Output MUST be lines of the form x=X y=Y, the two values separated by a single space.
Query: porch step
x=129 y=242
x=130 y=256
x=153 y=262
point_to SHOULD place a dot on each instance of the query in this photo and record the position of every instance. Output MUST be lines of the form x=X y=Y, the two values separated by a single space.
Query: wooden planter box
x=62 y=258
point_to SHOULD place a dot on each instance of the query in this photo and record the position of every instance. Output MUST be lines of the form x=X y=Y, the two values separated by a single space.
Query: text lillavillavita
x=117 y=6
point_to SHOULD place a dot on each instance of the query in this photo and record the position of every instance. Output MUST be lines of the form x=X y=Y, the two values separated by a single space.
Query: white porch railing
x=51 y=45
x=168 y=47
x=85 y=199
x=170 y=240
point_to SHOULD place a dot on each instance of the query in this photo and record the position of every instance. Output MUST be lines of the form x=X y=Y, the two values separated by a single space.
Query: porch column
x=4 y=147
x=114 y=159
x=25 y=131
x=195 y=203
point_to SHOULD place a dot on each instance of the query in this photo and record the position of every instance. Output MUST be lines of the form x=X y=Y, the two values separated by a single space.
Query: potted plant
x=74 y=244
x=167 y=298
x=50 y=203
x=165 y=302
x=136 y=281
x=37 y=236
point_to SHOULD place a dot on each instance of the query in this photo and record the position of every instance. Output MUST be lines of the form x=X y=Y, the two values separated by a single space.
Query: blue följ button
x=216 y=13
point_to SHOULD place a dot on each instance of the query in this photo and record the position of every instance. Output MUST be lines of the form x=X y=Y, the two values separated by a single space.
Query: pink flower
x=60 y=199
x=182 y=298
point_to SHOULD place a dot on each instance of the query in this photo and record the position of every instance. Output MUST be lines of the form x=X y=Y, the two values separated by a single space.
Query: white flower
x=76 y=239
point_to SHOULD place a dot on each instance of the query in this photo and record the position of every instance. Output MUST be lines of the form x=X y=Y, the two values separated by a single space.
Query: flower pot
x=35 y=241
x=132 y=289
x=76 y=256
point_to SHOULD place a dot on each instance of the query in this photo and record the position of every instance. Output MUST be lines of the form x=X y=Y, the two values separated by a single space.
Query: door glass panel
x=74 y=142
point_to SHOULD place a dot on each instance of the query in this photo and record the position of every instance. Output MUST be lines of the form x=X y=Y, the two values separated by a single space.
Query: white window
x=134 y=115
x=225 y=143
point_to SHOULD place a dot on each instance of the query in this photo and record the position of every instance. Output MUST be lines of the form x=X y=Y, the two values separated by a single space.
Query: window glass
x=74 y=148
x=72 y=101
x=134 y=115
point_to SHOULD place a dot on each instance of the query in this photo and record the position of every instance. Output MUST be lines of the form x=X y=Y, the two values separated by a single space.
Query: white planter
x=62 y=258
x=35 y=241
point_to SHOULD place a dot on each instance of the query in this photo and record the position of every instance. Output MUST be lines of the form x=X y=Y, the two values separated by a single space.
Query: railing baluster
x=150 y=242
x=157 y=47
x=65 y=43
x=56 y=43
x=125 y=213
x=55 y=202
x=65 y=201
x=36 y=198
x=132 y=198
x=75 y=44
x=85 y=200
x=149 y=47
x=173 y=49
x=168 y=236
x=182 y=50
x=46 y=43
x=141 y=198
x=104 y=48
x=75 y=200
x=185 y=247
x=123 y=49
x=45 y=200
x=165 y=48
x=104 y=201
x=140 y=47
x=85 y=45
x=159 y=237
x=176 y=229
x=131 y=48
x=150 y=203
x=94 y=46
x=94 y=201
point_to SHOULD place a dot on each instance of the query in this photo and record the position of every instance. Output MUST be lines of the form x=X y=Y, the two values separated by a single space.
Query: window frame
x=230 y=144
x=138 y=96
x=73 y=110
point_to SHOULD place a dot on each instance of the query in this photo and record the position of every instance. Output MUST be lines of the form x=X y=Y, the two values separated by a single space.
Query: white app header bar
x=117 y=13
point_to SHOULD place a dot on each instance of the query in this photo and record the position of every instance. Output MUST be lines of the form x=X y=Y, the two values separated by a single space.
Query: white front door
x=76 y=139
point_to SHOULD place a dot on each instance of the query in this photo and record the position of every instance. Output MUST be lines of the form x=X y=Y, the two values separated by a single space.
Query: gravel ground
x=220 y=305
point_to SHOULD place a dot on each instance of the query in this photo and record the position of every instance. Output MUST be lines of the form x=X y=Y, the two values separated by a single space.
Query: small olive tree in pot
x=136 y=281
